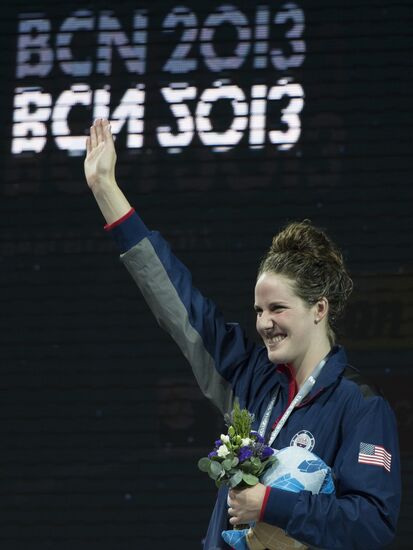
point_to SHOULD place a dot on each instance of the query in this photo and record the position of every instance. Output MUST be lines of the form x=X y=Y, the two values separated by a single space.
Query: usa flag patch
x=374 y=454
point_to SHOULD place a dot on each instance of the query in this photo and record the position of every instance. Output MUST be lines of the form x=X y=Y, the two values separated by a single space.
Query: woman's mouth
x=275 y=340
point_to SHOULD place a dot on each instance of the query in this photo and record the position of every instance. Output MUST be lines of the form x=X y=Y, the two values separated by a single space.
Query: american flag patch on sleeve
x=374 y=454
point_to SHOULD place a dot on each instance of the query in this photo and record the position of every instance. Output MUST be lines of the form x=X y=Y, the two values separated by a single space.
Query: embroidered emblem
x=374 y=454
x=303 y=439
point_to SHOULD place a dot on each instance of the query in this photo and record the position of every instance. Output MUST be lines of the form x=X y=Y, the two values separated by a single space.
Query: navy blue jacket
x=339 y=420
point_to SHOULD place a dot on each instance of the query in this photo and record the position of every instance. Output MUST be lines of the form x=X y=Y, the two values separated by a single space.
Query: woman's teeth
x=276 y=339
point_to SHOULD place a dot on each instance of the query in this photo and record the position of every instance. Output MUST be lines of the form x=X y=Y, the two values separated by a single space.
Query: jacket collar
x=331 y=371
x=334 y=367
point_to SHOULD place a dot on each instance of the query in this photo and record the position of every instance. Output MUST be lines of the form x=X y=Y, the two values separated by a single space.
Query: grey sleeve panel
x=161 y=296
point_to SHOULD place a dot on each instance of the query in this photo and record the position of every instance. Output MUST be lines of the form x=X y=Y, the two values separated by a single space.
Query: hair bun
x=304 y=238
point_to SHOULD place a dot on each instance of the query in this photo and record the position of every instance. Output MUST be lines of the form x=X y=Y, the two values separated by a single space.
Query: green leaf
x=255 y=462
x=236 y=479
x=268 y=462
x=249 y=479
x=203 y=464
x=235 y=461
x=227 y=464
x=247 y=467
x=215 y=469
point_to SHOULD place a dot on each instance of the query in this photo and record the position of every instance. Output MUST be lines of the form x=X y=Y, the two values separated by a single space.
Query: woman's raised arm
x=220 y=355
x=100 y=164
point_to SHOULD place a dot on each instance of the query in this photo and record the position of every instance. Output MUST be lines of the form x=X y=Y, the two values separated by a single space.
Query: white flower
x=223 y=451
x=224 y=438
x=245 y=442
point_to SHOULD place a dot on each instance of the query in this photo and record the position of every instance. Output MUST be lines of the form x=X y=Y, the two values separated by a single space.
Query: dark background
x=101 y=421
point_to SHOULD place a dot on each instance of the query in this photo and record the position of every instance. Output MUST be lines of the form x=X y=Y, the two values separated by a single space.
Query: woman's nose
x=266 y=321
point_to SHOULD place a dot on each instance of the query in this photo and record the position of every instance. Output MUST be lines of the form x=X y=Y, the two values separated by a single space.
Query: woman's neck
x=309 y=363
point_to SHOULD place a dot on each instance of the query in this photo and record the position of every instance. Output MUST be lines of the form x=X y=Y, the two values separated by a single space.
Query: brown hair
x=306 y=255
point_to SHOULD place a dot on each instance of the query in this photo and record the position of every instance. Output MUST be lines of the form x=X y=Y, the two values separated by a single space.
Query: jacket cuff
x=278 y=506
x=128 y=231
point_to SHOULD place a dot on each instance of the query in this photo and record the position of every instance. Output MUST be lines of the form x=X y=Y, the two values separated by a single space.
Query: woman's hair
x=306 y=255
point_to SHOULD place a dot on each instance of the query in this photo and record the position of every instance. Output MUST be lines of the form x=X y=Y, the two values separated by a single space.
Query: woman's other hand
x=245 y=504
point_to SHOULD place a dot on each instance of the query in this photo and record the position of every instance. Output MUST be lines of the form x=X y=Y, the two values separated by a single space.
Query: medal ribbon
x=303 y=392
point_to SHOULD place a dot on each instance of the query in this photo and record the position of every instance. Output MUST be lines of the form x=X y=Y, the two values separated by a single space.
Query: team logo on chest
x=303 y=439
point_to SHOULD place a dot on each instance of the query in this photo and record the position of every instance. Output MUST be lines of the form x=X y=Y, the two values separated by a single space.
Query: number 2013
x=255 y=38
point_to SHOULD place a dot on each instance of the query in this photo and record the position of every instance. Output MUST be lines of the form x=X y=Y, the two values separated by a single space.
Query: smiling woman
x=301 y=290
x=293 y=332
x=307 y=256
x=299 y=387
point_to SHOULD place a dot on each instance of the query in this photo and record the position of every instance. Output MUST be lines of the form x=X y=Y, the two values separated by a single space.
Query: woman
x=301 y=288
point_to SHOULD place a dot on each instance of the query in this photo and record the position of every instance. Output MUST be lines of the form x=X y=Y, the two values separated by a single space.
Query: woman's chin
x=277 y=355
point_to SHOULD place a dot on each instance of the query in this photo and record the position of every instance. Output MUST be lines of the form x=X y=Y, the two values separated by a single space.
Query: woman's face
x=284 y=321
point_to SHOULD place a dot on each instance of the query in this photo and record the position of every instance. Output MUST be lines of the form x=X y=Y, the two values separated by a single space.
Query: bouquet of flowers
x=240 y=456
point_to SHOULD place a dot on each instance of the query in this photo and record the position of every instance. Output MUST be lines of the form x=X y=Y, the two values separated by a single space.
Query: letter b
x=34 y=55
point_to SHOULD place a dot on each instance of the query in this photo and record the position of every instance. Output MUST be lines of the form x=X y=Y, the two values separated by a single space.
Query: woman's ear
x=320 y=309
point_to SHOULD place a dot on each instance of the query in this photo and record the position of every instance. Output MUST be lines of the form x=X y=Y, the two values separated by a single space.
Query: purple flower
x=218 y=443
x=257 y=436
x=244 y=454
x=266 y=452
x=212 y=454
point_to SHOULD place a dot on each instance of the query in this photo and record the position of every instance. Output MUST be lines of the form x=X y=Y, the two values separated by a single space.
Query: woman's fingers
x=233 y=510
x=99 y=131
x=234 y=520
x=107 y=130
x=93 y=137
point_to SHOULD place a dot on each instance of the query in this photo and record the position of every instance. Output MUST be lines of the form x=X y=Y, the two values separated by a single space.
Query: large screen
x=212 y=75
x=230 y=119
